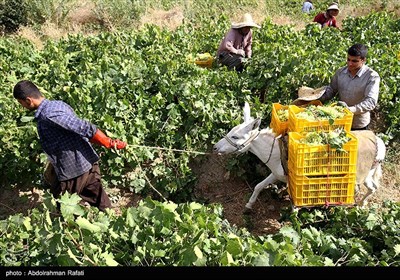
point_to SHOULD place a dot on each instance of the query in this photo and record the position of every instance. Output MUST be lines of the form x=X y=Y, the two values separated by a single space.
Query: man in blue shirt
x=66 y=139
x=307 y=6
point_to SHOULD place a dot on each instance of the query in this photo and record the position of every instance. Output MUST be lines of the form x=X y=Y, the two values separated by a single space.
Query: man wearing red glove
x=66 y=139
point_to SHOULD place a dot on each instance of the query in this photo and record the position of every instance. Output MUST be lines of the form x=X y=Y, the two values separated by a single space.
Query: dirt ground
x=216 y=185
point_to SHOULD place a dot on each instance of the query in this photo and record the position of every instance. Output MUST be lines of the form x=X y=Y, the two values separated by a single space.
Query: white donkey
x=264 y=144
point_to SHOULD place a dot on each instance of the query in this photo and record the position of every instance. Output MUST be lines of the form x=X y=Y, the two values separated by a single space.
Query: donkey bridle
x=247 y=142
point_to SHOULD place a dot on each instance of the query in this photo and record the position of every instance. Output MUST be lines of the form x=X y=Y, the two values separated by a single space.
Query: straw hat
x=333 y=7
x=247 y=20
x=303 y=104
x=308 y=94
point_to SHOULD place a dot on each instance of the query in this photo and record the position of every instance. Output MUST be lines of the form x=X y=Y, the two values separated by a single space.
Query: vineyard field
x=174 y=202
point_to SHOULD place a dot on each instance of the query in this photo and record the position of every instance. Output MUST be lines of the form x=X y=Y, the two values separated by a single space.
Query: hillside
x=55 y=19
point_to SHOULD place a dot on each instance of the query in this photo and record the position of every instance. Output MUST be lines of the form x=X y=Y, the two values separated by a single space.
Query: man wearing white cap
x=236 y=45
x=328 y=19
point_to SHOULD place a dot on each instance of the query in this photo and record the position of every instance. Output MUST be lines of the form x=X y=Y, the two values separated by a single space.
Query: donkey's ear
x=246 y=111
x=256 y=123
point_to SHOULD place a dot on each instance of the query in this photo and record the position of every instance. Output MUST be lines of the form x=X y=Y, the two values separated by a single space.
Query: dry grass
x=51 y=30
x=47 y=30
x=168 y=19
x=284 y=20
x=29 y=34
x=78 y=19
x=83 y=14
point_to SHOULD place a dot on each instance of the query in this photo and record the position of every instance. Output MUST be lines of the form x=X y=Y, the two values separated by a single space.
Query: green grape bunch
x=315 y=113
x=283 y=115
x=335 y=139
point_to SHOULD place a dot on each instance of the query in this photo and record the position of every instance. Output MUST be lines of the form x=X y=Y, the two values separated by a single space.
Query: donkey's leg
x=358 y=188
x=371 y=187
x=259 y=187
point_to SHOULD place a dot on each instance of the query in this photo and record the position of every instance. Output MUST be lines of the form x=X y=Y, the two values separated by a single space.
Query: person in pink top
x=328 y=18
x=235 y=47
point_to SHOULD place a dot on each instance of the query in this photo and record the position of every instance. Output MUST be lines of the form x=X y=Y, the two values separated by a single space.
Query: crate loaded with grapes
x=322 y=154
x=204 y=60
x=319 y=118
x=280 y=116
x=322 y=167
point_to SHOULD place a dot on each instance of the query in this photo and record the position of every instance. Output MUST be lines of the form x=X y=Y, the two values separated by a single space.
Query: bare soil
x=216 y=185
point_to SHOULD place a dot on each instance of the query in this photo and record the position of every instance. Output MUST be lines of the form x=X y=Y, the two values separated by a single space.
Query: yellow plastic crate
x=302 y=125
x=276 y=124
x=280 y=127
x=319 y=191
x=205 y=63
x=312 y=160
x=205 y=60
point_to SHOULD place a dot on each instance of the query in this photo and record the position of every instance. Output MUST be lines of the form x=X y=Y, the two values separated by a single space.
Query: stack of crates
x=318 y=174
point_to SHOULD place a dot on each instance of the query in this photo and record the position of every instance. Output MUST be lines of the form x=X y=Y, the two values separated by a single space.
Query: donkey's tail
x=380 y=156
x=377 y=174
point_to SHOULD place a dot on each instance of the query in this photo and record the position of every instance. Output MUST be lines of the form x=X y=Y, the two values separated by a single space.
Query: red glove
x=101 y=139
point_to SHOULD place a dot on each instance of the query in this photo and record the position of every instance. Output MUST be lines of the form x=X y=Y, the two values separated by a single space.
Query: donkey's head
x=239 y=138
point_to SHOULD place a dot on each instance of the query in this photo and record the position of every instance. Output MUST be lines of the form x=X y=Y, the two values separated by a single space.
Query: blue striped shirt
x=65 y=139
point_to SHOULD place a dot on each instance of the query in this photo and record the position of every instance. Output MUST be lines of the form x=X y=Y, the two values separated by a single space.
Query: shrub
x=13 y=14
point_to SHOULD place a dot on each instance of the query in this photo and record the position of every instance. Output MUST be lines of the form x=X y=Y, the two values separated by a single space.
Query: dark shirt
x=65 y=139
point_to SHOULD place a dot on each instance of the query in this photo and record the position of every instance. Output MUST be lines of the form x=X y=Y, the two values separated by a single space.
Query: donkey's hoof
x=361 y=204
x=247 y=211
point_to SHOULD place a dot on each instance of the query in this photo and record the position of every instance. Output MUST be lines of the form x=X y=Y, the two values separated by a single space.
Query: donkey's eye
x=235 y=137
